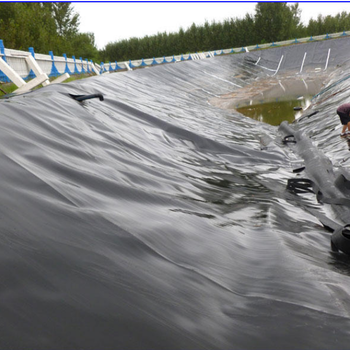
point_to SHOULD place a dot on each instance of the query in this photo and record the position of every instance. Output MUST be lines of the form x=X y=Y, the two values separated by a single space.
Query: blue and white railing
x=115 y=66
x=50 y=64
x=54 y=66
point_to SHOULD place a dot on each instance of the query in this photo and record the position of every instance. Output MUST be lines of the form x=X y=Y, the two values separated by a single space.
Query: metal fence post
x=3 y=77
x=87 y=66
x=82 y=66
x=31 y=74
x=66 y=70
x=54 y=72
x=75 y=66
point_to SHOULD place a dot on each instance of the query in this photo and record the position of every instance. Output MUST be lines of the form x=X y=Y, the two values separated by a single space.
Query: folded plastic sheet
x=153 y=220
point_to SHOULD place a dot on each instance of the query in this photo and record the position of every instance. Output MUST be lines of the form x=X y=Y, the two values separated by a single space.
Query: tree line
x=53 y=26
x=46 y=26
x=271 y=22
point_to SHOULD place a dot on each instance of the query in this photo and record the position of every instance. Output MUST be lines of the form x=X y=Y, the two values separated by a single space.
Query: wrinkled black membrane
x=152 y=220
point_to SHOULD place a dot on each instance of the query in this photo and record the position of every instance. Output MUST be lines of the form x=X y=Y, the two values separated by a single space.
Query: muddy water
x=272 y=100
x=274 y=112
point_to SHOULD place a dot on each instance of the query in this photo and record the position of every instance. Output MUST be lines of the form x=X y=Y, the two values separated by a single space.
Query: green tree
x=66 y=20
x=343 y=20
x=243 y=32
x=27 y=24
x=275 y=21
x=271 y=22
x=315 y=27
x=83 y=45
x=46 y=27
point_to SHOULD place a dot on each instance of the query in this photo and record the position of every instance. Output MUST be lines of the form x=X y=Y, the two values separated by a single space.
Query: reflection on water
x=274 y=112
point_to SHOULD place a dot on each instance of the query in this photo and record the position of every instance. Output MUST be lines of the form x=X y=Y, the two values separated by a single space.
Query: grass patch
x=77 y=77
x=7 y=88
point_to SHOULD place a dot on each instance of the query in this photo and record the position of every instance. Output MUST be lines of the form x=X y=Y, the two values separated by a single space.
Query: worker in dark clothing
x=344 y=114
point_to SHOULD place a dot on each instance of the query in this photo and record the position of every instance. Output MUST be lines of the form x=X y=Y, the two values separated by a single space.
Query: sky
x=114 y=21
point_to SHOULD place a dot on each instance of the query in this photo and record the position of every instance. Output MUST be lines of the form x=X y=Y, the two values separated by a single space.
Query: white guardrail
x=21 y=66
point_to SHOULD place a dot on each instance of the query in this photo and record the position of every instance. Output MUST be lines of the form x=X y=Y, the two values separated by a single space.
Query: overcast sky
x=115 y=21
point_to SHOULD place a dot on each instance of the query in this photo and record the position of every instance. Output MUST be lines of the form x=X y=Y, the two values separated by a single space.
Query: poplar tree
x=67 y=22
x=46 y=27
x=271 y=22
x=276 y=21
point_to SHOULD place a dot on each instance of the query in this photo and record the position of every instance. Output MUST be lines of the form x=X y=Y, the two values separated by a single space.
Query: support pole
x=33 y=65
x=3 y=76
x=278 y=66
x=11 y=74
x=32 y=84
x=329 y=52
x=61 y=78
x=302 y=64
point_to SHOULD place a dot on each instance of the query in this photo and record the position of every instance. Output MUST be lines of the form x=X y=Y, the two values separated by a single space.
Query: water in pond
x=274 y=112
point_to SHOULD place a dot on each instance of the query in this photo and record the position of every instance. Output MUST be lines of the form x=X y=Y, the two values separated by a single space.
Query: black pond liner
x=341 y=239
x=153 y=220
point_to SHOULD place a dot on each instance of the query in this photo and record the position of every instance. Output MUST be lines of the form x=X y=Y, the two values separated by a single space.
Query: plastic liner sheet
x=153 y=220
x=317 y=55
